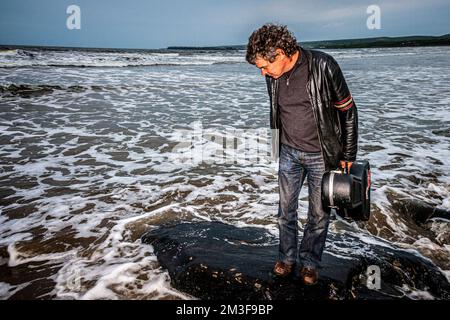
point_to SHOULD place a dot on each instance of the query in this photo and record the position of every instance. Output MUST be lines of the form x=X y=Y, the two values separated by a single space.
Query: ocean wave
x=19 y=58
x=114 y=65
x=8 y=52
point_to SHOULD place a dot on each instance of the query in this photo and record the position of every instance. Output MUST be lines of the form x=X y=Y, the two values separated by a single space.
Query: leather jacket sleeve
x=346 y=106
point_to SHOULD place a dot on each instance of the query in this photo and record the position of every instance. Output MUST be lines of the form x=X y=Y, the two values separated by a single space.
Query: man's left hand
x=348 y=163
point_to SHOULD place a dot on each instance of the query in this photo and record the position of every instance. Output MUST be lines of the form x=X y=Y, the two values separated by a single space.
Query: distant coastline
x=380 y=42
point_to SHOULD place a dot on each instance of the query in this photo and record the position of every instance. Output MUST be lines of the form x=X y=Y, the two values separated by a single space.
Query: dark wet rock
x=76 y=88
x=27 y=91
x=32 y=91
x=212 y=260
x=418 y=210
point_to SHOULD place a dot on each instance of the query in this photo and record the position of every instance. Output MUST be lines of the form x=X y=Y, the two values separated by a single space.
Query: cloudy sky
x=162 y=23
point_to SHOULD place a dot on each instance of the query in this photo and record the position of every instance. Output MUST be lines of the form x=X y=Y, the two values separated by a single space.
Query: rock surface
x=420 y=211
x=212 y=260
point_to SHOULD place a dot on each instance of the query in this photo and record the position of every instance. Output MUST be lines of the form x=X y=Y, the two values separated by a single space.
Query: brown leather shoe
x=282 y=269
x=309 y=275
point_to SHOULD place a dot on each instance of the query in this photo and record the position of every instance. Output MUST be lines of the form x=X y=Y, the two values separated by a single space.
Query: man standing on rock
x=315 y=127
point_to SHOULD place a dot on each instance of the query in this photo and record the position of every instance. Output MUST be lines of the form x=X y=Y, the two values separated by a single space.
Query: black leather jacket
x=333 y=108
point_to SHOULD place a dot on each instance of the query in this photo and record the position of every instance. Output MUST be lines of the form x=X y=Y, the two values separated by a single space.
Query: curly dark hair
x=264 y=41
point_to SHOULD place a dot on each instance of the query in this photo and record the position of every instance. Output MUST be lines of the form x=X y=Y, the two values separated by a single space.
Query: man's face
x=273 y=69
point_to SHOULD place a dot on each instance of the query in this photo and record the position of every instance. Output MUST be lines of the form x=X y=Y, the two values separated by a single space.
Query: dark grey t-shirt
x=298 y=127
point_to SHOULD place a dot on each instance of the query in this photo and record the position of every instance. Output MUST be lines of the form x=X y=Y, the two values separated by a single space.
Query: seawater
x=98 y=147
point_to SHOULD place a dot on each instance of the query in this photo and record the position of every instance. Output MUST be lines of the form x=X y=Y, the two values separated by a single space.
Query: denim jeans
x=294 y=166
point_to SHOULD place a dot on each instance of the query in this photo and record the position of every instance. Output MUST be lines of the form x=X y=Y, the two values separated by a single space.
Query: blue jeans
x=294 y=166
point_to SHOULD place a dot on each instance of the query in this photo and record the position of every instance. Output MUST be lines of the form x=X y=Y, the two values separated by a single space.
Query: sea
x=99 y=146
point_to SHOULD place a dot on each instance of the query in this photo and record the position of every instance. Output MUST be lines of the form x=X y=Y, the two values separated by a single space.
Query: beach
x=99 y=147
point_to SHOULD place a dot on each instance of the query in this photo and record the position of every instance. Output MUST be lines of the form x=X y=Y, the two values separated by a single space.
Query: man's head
x=269 y=47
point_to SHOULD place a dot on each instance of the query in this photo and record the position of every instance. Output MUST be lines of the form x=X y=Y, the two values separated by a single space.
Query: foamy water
x=93 y=157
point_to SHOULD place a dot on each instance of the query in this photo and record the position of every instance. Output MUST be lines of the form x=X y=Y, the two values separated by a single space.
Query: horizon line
x=205 y=47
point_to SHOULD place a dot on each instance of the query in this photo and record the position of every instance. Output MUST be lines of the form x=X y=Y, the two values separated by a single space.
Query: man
x=314 y=118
